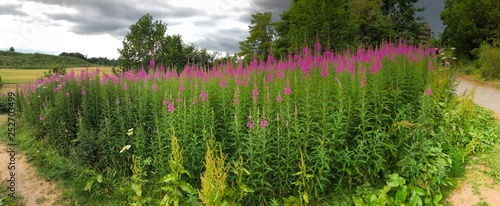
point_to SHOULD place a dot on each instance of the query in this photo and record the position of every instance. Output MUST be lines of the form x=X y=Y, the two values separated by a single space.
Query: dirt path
x=33 y=189
x=481 y=185
x=486 y=97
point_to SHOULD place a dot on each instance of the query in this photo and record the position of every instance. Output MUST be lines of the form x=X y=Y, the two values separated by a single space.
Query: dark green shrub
x=489 y=58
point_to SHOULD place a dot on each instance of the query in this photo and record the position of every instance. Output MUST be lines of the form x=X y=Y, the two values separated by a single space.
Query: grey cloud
x=431 y=14
x=11 y=9
x=114 y=17
x=224 y=40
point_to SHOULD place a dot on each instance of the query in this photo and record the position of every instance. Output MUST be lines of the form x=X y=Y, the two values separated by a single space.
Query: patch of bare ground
x=33 y=189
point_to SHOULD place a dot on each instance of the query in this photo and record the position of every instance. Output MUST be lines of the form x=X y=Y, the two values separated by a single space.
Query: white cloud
x=96 y=27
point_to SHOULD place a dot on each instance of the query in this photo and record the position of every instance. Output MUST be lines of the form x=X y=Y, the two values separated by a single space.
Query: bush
x=3 y=104
x=489 y=58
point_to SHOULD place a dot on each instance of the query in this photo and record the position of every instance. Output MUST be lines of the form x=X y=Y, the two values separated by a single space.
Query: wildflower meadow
x=378 y=125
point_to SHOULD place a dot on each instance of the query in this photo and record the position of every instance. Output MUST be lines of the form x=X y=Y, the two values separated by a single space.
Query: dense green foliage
x=104 y=61
x=261 y=36
x=335 y=24
x=489 y=59
x=148 y=42
x=311 y=129
x=38 y=61
x=469 y=23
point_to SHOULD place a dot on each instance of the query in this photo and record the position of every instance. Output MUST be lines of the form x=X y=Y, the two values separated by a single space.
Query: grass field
x=22 y=76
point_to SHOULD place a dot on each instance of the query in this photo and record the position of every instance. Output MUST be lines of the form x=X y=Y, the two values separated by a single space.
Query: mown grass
x=23 y=76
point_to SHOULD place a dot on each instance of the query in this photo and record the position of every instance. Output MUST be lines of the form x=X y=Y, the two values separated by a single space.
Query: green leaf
x=186 y=187
x=99 y=178
x=419 y=191
x=358 y=201
x=415 y=200
x=168 y=178
x=395 y=180
x=305 y=196
x=402 y=194
x=246 y=189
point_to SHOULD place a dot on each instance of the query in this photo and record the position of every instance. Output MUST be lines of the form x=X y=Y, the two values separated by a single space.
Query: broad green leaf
x=395 y=180
x=401 y=194
x=415 y=200
x=419 y=191
x=358 y=201
x=305 y=196
x=186 y=187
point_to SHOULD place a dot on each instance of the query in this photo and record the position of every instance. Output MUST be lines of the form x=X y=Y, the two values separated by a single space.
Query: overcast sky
x=97 y=27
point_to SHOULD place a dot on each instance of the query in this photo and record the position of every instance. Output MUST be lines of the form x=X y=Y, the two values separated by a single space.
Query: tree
x=372 y=25
x=401 y=14
x=11 y=49
x=146 y=41
x=469 y=23
x=306 y=19
x=261 y=36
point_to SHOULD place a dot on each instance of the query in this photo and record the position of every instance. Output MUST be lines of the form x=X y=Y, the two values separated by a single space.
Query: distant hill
x=16 y=60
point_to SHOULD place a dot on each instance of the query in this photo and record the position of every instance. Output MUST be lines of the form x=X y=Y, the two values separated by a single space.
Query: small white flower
x=441 y=53
x=454 y=58
x=452 y=48
x=130 y=132
x=444 y=57
x=126 y=147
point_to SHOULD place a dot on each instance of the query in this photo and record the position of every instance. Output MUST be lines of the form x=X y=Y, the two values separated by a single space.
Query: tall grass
x=311 y=127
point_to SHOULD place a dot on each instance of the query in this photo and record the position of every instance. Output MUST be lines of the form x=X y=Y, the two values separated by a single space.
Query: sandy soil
x=478 y=186
x=28 y=184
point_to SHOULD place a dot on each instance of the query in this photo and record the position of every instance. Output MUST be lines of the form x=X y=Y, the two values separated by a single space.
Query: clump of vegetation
x=297 y=131
x=489 y=59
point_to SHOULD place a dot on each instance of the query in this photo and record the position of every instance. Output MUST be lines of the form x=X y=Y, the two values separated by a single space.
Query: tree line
x=93 y=60
x=336 y=25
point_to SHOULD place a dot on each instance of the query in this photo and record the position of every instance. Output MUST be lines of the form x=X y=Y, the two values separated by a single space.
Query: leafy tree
x=306 y=19
x=74 y=54
x=11 y=49
x=401 y=14
x=470 y=23
x=145 y=39
x=261 y=36
x=372 y=25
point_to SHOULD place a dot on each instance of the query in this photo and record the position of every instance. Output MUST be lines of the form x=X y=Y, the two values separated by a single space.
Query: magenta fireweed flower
x=154 y=87
x=152 y=63
x=324 y=72
x=203 y=96
x=125 y=86
x=165 y=102
x=170 y=107
x=250 y=125
x=428 y=92
x=431 y=66
x=78 y=113
x=181 y=88
x=222 y=83
x=84 y=92
x=41 y=118
x=278 y=99
x=235 y=101
x=255 y=94
x=263 y=123
x=288 y=91
x=67 y=95
x=362 y=83
x=270 y=77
